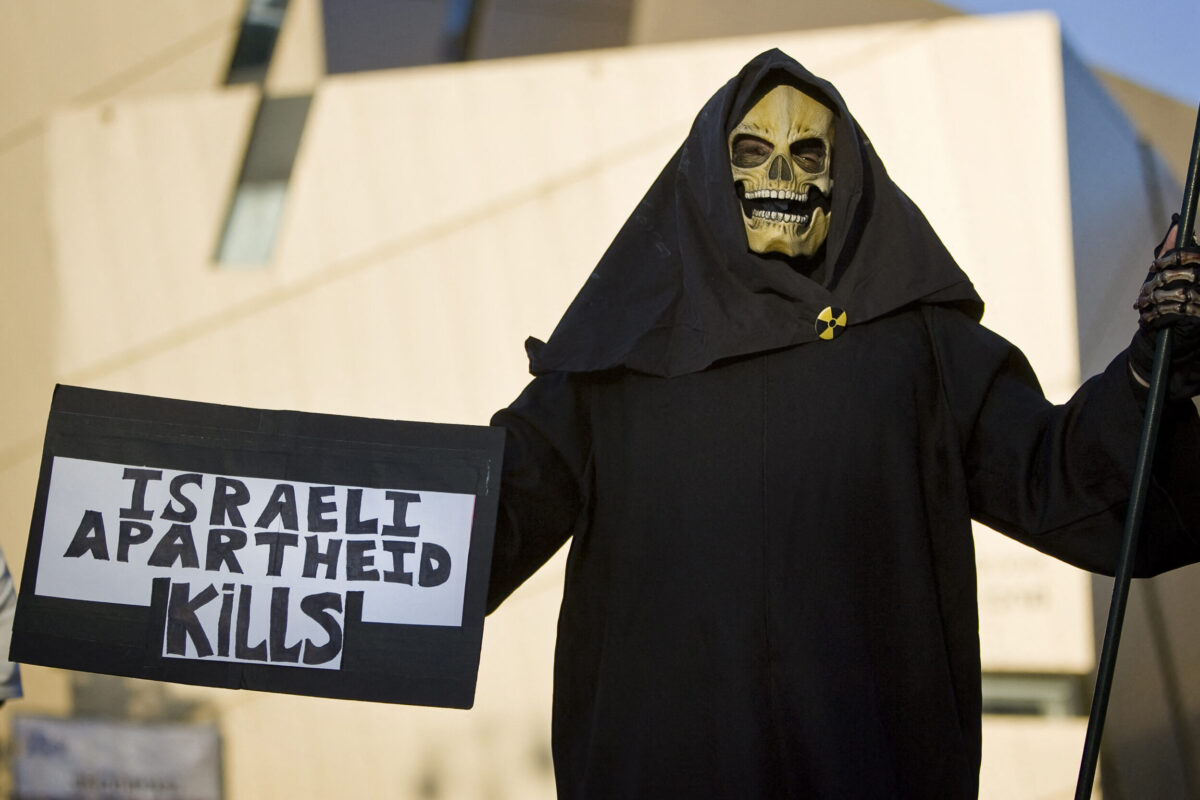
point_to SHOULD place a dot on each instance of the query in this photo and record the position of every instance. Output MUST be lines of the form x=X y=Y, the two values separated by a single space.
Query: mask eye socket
x=809 y=155
x=749 y=151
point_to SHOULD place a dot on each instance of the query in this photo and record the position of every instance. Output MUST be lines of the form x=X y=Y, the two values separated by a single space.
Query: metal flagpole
x=1137 y=500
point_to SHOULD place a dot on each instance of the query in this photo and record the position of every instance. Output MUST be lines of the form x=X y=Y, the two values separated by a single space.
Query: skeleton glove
x=1170 y=298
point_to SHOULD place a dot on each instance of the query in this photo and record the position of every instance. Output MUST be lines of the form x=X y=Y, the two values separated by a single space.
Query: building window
x=256 y=209
x=256 y=41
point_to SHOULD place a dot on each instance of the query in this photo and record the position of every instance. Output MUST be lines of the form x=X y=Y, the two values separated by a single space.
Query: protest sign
x=273 y=550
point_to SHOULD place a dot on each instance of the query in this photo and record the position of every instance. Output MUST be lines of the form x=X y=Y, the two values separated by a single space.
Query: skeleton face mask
x=781 y=153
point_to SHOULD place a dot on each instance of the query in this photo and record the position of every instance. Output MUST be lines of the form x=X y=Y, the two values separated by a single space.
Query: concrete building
x=353 y=226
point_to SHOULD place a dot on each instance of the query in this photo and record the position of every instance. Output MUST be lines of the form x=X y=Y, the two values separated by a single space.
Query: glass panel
x=256 y=41
x=254 y=218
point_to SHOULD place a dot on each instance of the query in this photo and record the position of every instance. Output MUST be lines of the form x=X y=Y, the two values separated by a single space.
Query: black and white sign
x=260 y=549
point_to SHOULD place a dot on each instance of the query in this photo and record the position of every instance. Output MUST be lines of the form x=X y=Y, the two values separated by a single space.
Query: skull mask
x=781 y=153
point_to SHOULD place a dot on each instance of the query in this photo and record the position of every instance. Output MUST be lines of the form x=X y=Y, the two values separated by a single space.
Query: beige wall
x=57 y=52
x=1041 y=759
x=436 y=217
x=1165 y=122
x=298 y=62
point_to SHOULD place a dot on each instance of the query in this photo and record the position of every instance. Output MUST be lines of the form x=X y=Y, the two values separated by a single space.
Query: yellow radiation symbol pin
x=830 y=322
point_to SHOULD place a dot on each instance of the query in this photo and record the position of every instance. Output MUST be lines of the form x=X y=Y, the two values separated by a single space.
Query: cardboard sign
x=271 y=550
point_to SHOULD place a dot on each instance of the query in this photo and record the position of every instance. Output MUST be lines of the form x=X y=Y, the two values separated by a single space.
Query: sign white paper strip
x=253 y=560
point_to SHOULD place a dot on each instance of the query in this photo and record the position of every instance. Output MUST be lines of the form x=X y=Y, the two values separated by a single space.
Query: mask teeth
x=777 y=194
x=779 y=216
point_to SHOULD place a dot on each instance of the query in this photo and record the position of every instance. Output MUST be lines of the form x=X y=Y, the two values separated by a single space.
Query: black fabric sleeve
x=1058 y=478
x=541 y=489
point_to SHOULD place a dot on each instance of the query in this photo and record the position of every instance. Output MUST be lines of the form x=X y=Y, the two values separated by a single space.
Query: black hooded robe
x=771 y=589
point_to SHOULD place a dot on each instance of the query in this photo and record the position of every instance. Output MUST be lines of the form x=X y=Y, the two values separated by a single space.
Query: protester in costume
x=767 y=420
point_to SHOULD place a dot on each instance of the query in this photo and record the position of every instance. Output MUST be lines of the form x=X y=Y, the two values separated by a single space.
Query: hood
x=678 y=289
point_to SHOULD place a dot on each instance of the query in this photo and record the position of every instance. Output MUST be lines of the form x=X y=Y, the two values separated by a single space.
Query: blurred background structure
x=364 y=206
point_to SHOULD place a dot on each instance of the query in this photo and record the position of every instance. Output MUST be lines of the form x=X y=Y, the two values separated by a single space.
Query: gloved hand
x=1170 y=297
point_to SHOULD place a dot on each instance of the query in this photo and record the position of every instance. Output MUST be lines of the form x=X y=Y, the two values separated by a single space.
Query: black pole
x=1137 y=501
